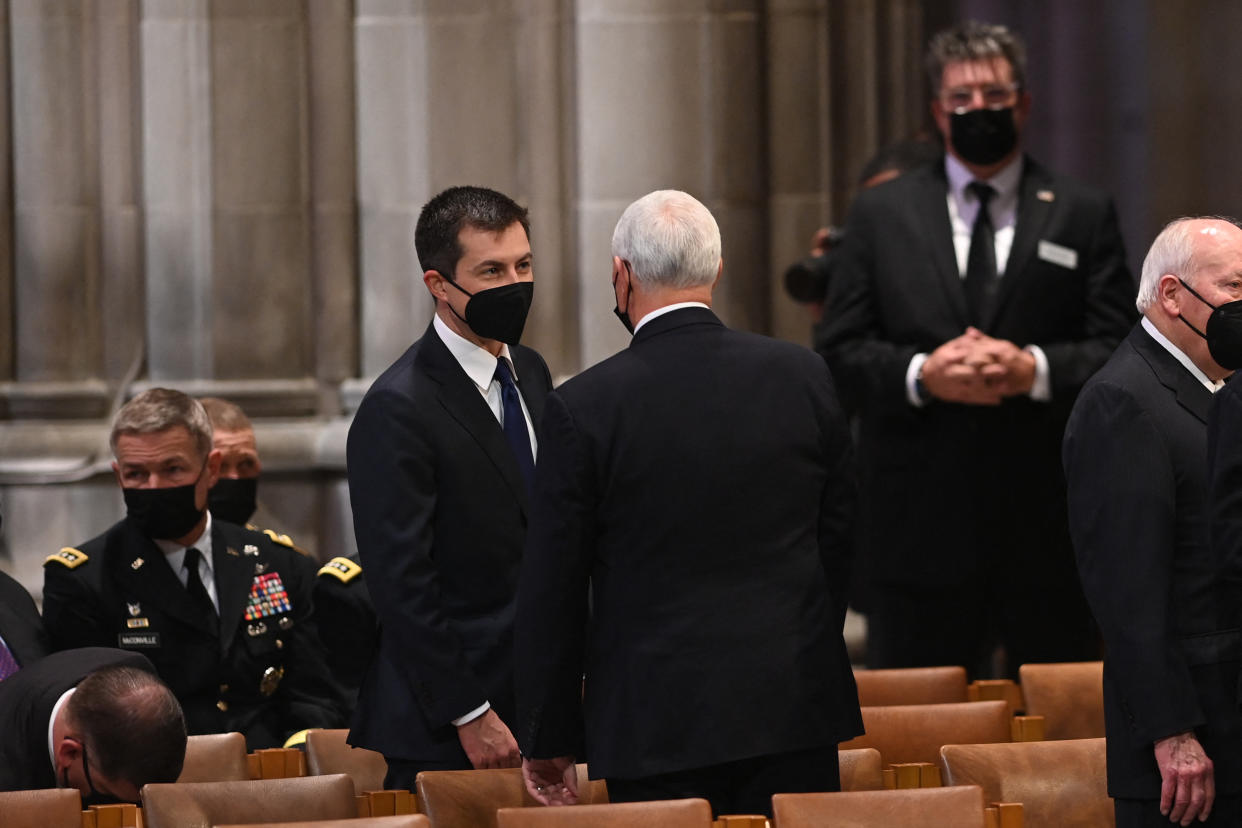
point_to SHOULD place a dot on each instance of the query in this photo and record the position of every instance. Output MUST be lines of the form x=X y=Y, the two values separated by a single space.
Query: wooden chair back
x=670 y=813
x=327 y=752
x=196 y=804
x=925 y=807
x=408 y=821
x=911 y=685
x=915 y=733
x=1070 y=697
x=52 y=808
x=471 y=798
x=861 y=770
x=215 y=757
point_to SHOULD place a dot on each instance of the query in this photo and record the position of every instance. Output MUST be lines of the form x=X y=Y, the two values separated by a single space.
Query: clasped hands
x=976 y=369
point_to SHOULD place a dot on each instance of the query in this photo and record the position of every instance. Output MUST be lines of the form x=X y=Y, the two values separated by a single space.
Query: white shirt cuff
x=473 y=714
x=912 y=375
x=1041 y=388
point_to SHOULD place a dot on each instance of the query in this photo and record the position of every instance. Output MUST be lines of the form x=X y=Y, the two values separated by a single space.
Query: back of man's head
x=159 y=409
x=670 y=240
x=131 y=724
x=971 y=40
x=442 y=219
x=225 y=415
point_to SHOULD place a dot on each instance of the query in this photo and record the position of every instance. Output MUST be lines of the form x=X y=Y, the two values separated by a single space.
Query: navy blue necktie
x=514 y=424
x=981 y=262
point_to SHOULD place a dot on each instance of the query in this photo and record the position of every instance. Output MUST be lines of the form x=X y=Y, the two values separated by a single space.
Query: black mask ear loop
x=1195 y=293
x=450 y=304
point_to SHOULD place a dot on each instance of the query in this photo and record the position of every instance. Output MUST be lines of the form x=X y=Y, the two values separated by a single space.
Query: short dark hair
x=225 y=415
x=973 y=40
x=131 y=724
x=442 y=219
x=159 y=409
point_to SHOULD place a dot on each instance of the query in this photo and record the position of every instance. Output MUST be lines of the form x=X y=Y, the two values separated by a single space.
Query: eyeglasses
x=993 y=95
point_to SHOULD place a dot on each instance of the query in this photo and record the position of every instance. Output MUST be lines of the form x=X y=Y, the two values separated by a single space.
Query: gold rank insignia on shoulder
x=68 y=557
x=283 y=540
x=343 y=569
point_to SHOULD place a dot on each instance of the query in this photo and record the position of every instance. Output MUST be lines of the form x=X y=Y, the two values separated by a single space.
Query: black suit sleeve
x=392 y=484
x=20 y=623
x=1108 y=310
x=552 y=593
x=72 y=612
x=836 y=513
x=1225 y=480
x=1122 y=512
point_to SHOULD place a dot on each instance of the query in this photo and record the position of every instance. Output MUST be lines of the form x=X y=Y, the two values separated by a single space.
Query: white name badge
x=1059 y=255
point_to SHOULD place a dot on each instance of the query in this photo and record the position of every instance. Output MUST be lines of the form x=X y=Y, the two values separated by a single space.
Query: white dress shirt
x=1181 y=357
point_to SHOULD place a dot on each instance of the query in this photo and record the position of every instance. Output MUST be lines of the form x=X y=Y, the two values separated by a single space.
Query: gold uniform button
x=222 y=706
x=279 y=644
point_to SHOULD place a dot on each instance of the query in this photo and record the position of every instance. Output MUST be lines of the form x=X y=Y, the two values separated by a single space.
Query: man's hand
x=1189 y=787
x=1005 y=368
x=551 y=781
x=952 y=372
x=488 y=742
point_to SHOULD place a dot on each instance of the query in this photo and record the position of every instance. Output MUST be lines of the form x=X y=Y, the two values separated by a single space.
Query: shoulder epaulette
x=343 y=569
x=283 y=540
x=68 y=557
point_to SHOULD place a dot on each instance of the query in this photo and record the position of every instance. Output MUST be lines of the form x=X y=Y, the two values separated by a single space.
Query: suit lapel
x=1190 y=393
x=234 y=573
x=932 y=209
x=1036 y=199
x=463 y=402
x=141 y=568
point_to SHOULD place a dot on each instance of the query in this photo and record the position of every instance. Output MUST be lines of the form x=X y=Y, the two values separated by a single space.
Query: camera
x=807 y=281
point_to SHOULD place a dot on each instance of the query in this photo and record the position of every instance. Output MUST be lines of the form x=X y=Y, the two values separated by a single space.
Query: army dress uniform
x=346 y=621
x=259 y=669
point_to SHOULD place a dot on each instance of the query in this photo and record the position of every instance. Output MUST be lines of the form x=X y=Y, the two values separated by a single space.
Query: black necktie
x=514 y=424
x=981 y=263
x=199 y=598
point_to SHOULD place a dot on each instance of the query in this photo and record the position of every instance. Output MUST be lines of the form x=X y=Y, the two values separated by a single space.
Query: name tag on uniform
x=138 y=641
x=1058 y=254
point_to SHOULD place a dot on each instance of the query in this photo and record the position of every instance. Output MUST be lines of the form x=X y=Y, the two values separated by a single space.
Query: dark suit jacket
x=895 y=292
x=700 y=483
x=346 y=620
x=1137 y=472
x=228 y=676
x=26 y=702
x=440 y=516
x=20 y=624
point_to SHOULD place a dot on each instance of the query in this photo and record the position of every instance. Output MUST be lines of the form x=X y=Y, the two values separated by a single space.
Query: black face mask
x=983 y=136
x=164 y=514
x=497 y=313
x=624 y=315
x=1224 y=331
x=234 y=499
x=94 y=797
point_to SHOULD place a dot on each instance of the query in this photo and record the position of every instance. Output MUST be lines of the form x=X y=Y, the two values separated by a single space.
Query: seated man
x=234 y=497
x=95 y=719
x=221 y=611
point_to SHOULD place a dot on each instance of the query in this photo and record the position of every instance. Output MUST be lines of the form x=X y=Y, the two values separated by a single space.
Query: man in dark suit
x=1136 y=465
x=440 y=456
x=222 y=612
x=95 y=719
x=22 y=635
x=961 y=336
x=698 y=486
x=347 y=624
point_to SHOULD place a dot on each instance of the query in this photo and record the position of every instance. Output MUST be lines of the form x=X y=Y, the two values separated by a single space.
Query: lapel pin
x=137 y=564
x=135 y=609
x=260 y=568
x=251 y=550
x=1046 y=195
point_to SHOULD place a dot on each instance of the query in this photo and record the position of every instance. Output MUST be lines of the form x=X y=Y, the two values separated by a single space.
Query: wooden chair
x=261 y=801
x=671 y=813
x=470 y=798
x=861 y=770
x=1070 y=697
x=1059 y=783
x=913 y=685
x=925 y=807
x=327 y=752
x=215 y=757
x=915 y=733
x=52 y=808
x=408 y=821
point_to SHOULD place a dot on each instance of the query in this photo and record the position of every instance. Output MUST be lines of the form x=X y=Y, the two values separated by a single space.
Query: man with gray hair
x=1136 y=466
x=698 y=486
x=222 y=612
x=972 y=297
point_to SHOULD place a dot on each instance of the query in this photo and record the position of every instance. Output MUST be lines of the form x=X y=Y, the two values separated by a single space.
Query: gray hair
x=670 y=240
x=973 y=40
x=159 y=409
x=1172 y=252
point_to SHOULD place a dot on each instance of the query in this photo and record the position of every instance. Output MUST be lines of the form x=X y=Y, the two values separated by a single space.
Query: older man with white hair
x=1136 y=466
x=698 y=486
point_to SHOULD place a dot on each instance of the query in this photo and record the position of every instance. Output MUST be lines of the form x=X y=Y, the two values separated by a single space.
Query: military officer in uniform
x=347 y=622
x=220 y=610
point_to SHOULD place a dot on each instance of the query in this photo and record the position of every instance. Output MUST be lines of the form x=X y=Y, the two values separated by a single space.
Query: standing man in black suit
x=972 y=299
x=1136 y=463
x=95 y=719
x=698 y=486
x=222 y=612
x=441 y=456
